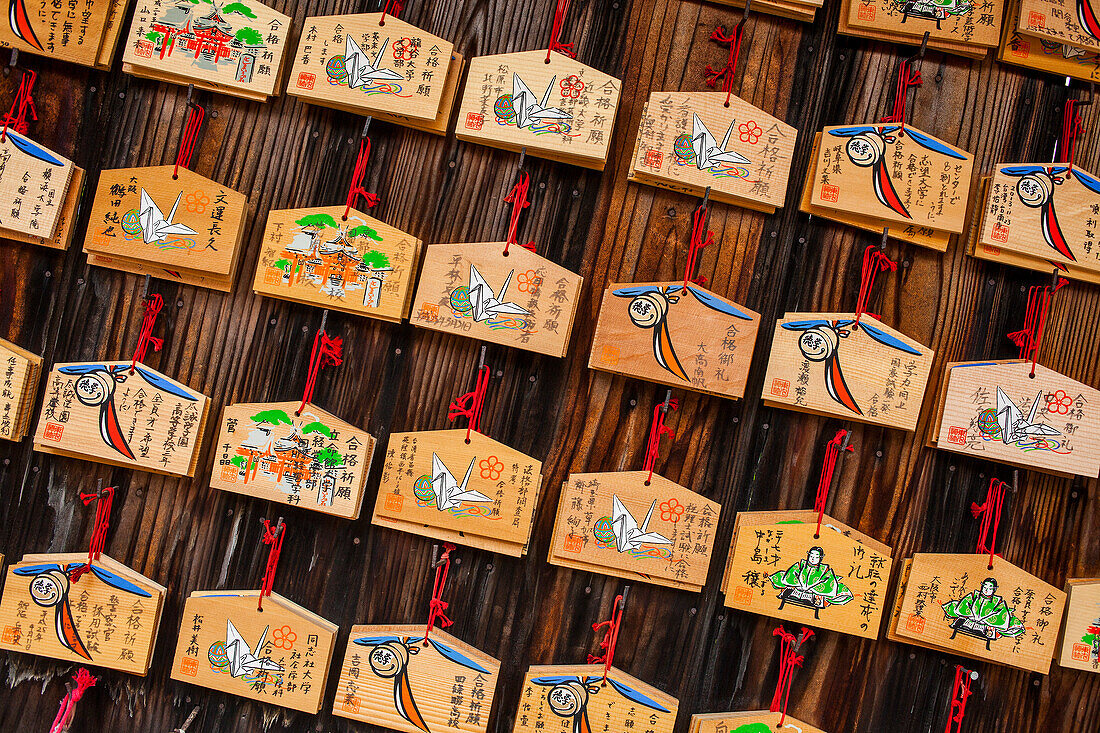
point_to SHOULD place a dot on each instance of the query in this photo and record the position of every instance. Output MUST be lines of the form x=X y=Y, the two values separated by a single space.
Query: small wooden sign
x=34 y=184
x=77 y=34
x=521 y=300
x=694 y=141
x=66 y=219
x=1076 y=25
x=830 y=364
x=756 y=721
x=998 y=412
x=564 y=698
x=110 y=412
x=55 y=606
x=958 y=49
x=359 y=265
x=311 y=460
x=1079 y=646
x=481 y=493
x=393 y=678
x=670 y=334
x=893 y=173
x=956 y=21
x=1044 y=54
x=229 y=47
x=562 y=110
x=955 y=603
x=20 y=371
x=620 y=524
x=280 y=655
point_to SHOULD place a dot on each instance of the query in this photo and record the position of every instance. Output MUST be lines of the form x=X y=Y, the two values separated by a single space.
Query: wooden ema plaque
x=836 y=580
x=956 y=21
x=1044 y=54
x=692 y=141
x=107 y=616
x=1073 y=24
x=616 y=524
x=84 y=34
x=562 y=111
x=190 y=224
x=480 y=494
x=823 y=364
x=956 y=604
x=998 y=412
x=233 y=47
x=312 y=461
x=34 y=184
x=280 y=655
x=1079 y=645
x=958 y=49
x=521 y=300
x=675 y=335
x=359 y=265
x=572 y=698
x=20 y=371
x=66 y=219
x=893 y=173
x=757 y=721
x=393 y=678
x=106 y=413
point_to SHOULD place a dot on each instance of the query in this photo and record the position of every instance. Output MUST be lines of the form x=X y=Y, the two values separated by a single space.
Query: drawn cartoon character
x=568 y=697
x=1035 y=190
x=523 y=109
x=649 y=307
x=241 y=661
x=389 y=659
x=937 y=10
x=866 y=147
x=49 y=588
x=810 y=583
x=1008 y=424
x=983 y=615
x=820 y=341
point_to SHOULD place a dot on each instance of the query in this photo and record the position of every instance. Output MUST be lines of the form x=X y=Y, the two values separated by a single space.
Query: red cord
x=1030 y=337
x=789 y=658
x=16 y=118
x=907 y=77
x=874 y=260
x=560 y=11
x=656 y=431
x=469 y=405
x=990 y=512
x=103 y=498
x=190 y=135
x=825 y=481
x=84 y=682
x=960 y=690
x=610 y=637
x=1072 y=126
x=355 y=188
x=437 y=606
x=517 y=197
x=325 y=351
x=393 y=7
x=726 y=73
x=153 y=305
x=700 y=238
x=272 y=536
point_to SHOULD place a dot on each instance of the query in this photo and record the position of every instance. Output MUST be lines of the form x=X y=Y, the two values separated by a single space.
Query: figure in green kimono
x=810 y=583
x=983 y=614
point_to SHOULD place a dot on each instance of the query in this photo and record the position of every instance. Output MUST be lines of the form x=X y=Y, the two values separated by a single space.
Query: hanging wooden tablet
x=1055 y=21
x=34 y=184
x=521 y=300
x=123 y=415
x=562 y=110
x=20 y=371
x=635 y=525
x=693 y=141
x=957 y=49
x=563 y=698
x=957 y=21
x=1079 y=645
x=1043 y=54
x=70 y=32
x=848 y=366
x=66 y=218
x=392 y=677
x=758 y=721
x=359 y=265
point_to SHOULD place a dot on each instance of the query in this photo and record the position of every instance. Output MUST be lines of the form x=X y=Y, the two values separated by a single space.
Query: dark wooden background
x=239 y=347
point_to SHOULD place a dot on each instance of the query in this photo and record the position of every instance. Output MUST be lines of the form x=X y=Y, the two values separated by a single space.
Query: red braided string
x=960 y=690
x=656 y=431
x=103 y=498
x=16 y=118
x=355 y=188
x=469 y=405
x=907 y=77
x=325 y=351
x=789 y=658
x=874 y=260
x=610 y=637
x=560 y=11
x=272 y=536
x=195 y=116
x=1072 y=126
x=990 y=512
x=700 y=238
x=84 y=682
x=726 y=73
x=393 y=7
x=1030 y=337
x=825 y=481
x=153 y=305
x=517 y=197
x=437 y=606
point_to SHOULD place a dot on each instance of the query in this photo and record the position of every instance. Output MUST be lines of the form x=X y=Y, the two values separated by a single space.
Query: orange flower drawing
x=405 y=49
x=749 y=132
x=571 y=86
x=491 y=468
x=196 y=202
x=671 y=511
x=283 y=638
x=1059 y=402
x=529 y=282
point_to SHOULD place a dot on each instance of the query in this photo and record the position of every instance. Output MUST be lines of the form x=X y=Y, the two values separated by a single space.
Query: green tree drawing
x=377 y=260
x=250 y=37
x=237 y=461
x=317 y=220
x=154 y=36
x=364 y=231
x=239 y=9
x=273 y=416
x=282 y=263
x=317 y=427
x=330 y=457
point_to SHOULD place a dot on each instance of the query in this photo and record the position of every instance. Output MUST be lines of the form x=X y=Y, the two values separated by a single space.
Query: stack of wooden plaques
x=758 y=721
x=232 y=48
x=20 y=371
x=371 y=64
x=1079 y=643
x=1045 y=51
x=803 y=10
x=86 y=34
x=960 y=27
x=39 y=192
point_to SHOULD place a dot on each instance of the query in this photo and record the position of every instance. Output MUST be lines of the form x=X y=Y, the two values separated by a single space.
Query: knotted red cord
x=610 y=637
x=700 y=238
x=825 y=481
x=153 y=305
x=1030 y=337
x=16 y=118
x=437 y=606
x=517 y=197
x=190 y=135
x=393 y=7
x=355 y=188
x=960 y=690
x=84 y=681
x=789 y=658
x=469 y=405
x=727 y=72
x=1072 y=126
x=907 y=77
x=103 y=498
x=874 y=260
x=656 y=431
x=560 y=11
x=272 y=536
x=325 y=351
x=990 y=512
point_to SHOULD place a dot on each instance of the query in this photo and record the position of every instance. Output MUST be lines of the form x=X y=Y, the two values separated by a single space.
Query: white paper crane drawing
x=629 y=536
x=242 y=660
x=155 y=227
x=449 y=494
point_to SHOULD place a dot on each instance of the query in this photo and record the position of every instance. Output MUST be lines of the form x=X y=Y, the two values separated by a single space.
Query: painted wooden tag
x=361 y=265
x=107 y=615
x=65 y=227
x=522 y=300
x=894 y=173
x=998 y=412
x=564 y=698
x=480 y=494
x=959 y=21
x=366 y=64
x=392 y=678
x=691 y=141
x=1058 y=21
x=65 y=32
x=144 y=215
x=1044 y=53
x=1079 y=647
x=563 y=111
x=683 y=337
x=34 y=183
x=615 y=524
x=958 y=49
x=229 y=47
x=280 y=655
x=832 y=580
x=823 y=363
x=757 y=721
x=20 y=371
x=107 y=413
x=954 y=602
x=312 y=461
